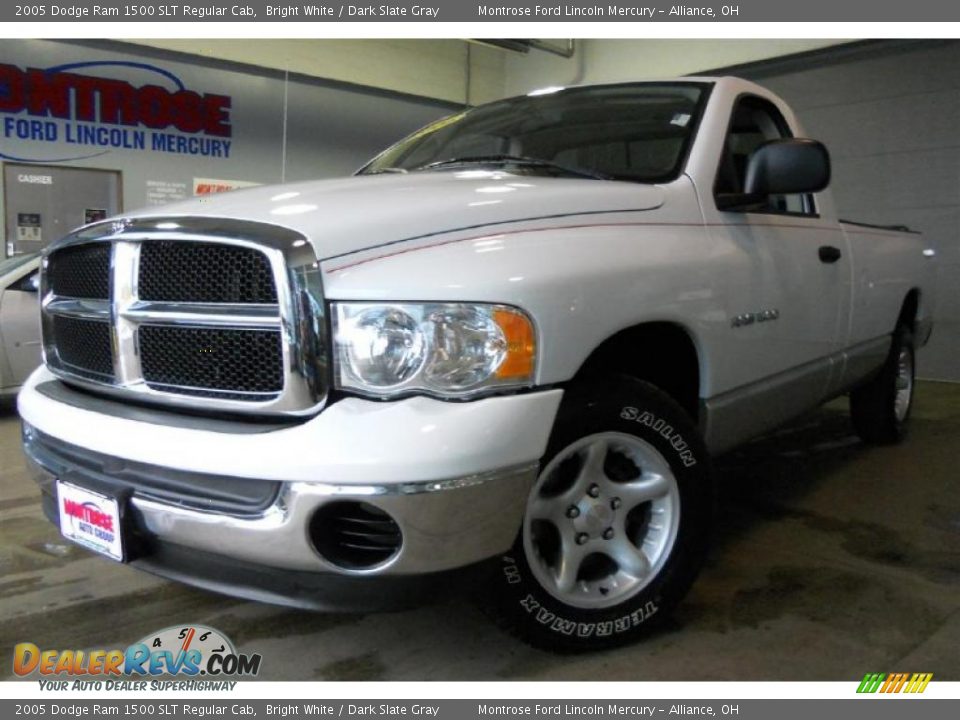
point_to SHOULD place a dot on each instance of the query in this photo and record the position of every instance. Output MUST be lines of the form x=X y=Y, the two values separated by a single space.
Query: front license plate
x=90 y=519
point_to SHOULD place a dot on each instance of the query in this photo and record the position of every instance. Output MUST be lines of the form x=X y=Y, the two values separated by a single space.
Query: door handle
x=829 y=253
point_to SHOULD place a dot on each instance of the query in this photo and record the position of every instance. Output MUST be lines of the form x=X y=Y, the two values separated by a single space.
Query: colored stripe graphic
x=918 y=683
x=894 y=682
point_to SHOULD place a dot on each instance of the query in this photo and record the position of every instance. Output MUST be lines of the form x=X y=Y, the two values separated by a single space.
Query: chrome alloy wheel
x=901 y=401
x=601 y=520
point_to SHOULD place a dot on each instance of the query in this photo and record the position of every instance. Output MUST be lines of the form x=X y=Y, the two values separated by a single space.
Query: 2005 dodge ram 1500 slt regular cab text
x=513 y=337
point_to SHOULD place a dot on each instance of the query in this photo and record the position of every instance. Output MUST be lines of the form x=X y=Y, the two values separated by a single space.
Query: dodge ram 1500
x=511 y=340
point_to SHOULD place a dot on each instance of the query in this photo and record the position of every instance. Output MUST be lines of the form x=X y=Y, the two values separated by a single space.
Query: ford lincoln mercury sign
x=64 y=105
x=509 y=344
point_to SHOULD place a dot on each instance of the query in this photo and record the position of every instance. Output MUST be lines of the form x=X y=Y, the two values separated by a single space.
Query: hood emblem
x=118 y=226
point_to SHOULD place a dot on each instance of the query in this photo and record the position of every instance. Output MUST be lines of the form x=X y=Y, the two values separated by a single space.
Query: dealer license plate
x=90 y=519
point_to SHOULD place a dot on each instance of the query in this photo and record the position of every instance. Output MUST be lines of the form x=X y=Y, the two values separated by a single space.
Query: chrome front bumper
x=444 y=524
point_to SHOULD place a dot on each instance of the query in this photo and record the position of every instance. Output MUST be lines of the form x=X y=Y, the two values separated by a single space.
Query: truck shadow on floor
x=833 y=541
x=781 y=477
x=764 y=479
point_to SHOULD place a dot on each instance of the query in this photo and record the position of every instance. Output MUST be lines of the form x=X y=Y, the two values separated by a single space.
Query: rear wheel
x=880 y=409
x=616 y=524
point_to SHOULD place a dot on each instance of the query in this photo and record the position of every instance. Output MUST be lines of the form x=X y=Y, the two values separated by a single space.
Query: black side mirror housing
x=31 y=283
x=788 y=166
x=781 y=167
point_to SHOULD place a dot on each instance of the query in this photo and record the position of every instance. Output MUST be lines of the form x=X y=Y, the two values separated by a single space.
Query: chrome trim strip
x=78 y=308
x=125 y=266
x=299 y=315
x=206 y=315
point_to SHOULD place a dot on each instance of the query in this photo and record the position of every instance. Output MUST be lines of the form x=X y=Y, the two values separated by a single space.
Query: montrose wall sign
x=96 y=107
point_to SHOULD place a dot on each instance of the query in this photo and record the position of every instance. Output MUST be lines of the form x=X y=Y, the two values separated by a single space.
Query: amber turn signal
x=521 y=345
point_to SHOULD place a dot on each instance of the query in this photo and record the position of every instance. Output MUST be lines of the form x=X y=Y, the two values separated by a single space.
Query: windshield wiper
x=380 y=171
x=515 y=160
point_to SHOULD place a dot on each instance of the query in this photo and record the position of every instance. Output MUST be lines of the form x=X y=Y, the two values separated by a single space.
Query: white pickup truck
x=512 y=340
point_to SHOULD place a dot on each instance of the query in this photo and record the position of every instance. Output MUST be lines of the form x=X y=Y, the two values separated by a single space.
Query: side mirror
x=31 y=283
x=787 y=167
x=781 y=167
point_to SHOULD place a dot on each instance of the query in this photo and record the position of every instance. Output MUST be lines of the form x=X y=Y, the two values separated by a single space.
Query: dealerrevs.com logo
x=188 y=652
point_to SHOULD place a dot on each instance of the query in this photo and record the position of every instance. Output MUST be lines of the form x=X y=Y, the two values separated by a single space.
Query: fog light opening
x=354 y=535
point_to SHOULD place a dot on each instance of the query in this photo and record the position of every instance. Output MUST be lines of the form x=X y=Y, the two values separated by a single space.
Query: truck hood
x=346 y=215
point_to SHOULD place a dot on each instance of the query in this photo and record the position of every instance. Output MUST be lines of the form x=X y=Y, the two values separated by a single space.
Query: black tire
x=624 y=407
x=874 y=406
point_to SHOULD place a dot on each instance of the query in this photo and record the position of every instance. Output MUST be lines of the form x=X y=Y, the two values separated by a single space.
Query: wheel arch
x=675 y=368
x=909 y=309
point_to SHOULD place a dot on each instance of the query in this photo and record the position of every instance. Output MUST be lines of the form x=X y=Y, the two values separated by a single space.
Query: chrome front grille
x=84 y=346
x=204 y=313
x=241 y=362
x=81 y=272
x=204 y=273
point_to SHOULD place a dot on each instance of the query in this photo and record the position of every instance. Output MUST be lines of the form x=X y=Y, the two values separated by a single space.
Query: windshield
x=637 y=132
x=12 y=263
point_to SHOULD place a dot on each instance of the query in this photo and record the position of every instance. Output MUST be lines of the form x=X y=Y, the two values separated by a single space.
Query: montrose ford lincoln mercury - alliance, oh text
x=515 y=335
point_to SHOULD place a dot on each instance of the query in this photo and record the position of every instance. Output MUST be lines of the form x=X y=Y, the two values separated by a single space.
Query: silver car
x=19 y=321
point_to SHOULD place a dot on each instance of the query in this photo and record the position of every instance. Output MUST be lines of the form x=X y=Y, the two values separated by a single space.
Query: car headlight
x=444 y=349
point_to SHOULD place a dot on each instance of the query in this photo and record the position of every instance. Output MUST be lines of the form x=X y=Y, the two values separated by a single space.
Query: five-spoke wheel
x=601 y=519
x=615 y=526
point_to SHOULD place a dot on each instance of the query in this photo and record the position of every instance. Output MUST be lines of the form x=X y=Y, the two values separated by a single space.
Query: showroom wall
x=442 y=69
x=611 y=60
x=474 y=71
x=888 y=113
x=269 y=130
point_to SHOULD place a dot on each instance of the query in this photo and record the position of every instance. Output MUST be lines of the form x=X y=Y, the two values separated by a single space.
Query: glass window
x=755 y=122
x=639 y=132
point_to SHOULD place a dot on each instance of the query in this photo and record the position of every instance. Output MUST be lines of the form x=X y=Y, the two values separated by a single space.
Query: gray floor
x=831 y=560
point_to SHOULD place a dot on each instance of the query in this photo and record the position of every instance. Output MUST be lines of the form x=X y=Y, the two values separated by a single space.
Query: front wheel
x=616 y=525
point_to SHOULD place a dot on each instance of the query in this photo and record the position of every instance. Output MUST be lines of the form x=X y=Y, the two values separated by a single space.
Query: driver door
x=790 y=302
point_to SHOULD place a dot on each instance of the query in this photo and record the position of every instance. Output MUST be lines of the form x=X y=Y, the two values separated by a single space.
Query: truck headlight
x=444 y=349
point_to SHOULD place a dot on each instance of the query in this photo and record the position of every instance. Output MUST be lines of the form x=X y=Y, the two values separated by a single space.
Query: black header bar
x=326 y=11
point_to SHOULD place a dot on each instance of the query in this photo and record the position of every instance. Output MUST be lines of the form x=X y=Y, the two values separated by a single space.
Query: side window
x=754 y=122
